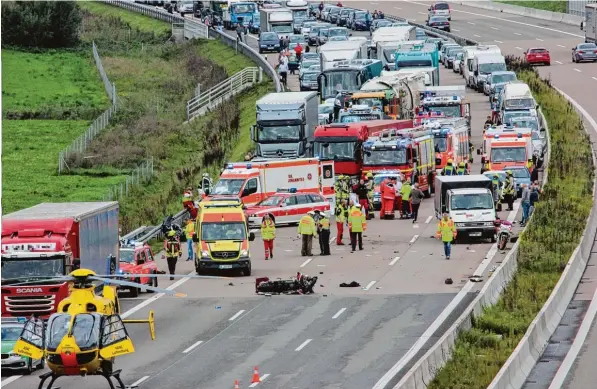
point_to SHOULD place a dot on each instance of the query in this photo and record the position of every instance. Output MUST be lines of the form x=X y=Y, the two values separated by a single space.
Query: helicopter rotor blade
x=43 y=279
x=137 y=285
x=164 y=276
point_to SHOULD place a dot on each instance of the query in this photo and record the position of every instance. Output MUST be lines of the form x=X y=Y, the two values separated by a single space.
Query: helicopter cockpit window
x=57 y=329
x=86 y=330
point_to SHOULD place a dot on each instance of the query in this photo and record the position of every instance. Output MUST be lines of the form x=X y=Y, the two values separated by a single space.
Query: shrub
x=43 y=24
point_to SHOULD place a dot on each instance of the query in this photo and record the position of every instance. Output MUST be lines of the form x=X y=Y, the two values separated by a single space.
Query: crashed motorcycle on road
x=301 y=284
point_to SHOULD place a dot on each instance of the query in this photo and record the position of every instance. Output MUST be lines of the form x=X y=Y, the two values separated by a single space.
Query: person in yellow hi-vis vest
x=446 y=231
x=268 y=234
x=357 y=224
x=189 y=232
x=307 y=230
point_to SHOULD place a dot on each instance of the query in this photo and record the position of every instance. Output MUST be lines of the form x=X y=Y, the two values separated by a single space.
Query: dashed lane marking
x=302 y=346
x=428 y=220
x=369 y=285
x=191 y=347
x=306 y=262
x=396 y=259
x=136 y=383
x=262 y=378
x=236 y=315
x=339 y=313
x=414 y=239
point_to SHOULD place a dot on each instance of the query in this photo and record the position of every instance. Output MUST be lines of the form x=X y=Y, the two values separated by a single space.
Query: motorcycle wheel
x=502 y=242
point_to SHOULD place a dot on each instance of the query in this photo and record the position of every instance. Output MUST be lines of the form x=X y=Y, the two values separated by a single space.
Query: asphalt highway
x=337 y=338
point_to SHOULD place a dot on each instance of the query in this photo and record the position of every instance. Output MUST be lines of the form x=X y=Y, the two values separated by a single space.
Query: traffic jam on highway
x=389 y=147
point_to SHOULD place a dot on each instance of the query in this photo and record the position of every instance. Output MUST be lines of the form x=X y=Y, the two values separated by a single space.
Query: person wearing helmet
x=173 y=252
x=449 y=169
x=509 y=190
x=370 y=184
x=461 y=171
x=497 y=192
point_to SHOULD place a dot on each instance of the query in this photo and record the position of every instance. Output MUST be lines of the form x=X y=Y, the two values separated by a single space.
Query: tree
x=43 y=24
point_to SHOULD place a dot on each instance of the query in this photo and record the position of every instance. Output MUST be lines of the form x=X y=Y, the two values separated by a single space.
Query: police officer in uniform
x=449 y=169
x=509 y=190
x=323 y=228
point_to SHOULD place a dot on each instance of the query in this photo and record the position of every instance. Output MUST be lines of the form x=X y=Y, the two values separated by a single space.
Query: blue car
x=269 y=41
x=584 y=52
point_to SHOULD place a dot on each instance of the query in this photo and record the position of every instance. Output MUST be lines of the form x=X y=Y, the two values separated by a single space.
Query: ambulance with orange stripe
x=222 y=237
x=254 y=181
x=507 y=146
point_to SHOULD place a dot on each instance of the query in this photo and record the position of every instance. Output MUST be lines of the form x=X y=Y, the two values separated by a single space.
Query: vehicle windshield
x=453 y=53
x=520 y=173
x=360 y=16
x=460 y=55
x=501 y=176
x=368 y=101
x=32 y=267
x=460 y=202
x=310 y=57
x=297 y=39
x=278 y=133
x=309 y=24
x=57 y=329
x=299 y=14
x=451 y=111
x=383 y=23
x=358 y=118
x=335 y=82
x=228 y=186
x=243 y=8
x=127 y=255
x=86 y=330
x=11 y=333
x=324 y=32
x=499 y=78
x=527 y=103
x=307 y=64
x=524 y=123
x=282 y=29
x=223 y=231
x=535 y=135
x=269 y=36
x=323 y=109
x=587 y=46
x=338 y=38
x=487 y=68
x=312 y=77
x=441 y=144
x=509 y=116
x=412 y=63
x=377 y=180
x=338 y=32
x=388 y=54
x=315 y=30
x=508 y=154
x=339 y=151
x=385 y=157
x=270 y=201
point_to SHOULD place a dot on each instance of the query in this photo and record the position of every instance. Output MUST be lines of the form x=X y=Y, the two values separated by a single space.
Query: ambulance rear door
x=326 y=178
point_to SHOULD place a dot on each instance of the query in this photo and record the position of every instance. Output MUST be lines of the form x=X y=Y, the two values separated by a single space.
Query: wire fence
x=81 y=143
x=142 y=174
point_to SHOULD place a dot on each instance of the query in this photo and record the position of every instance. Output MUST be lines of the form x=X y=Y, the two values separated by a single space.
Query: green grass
x=29 y=159
x=553 y=6
x=53 y=79
x=545 y=246
x=135 y=20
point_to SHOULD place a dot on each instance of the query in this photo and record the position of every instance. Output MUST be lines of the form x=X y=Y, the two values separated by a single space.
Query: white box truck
x=333 y=52
x=590 y=24
x=278 y=20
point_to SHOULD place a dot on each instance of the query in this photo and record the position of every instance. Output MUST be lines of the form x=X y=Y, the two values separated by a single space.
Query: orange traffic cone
x=236 y=384
x=256 y=379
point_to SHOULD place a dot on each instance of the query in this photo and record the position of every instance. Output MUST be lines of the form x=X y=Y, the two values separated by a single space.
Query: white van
x=469 y=54
x=483 y=65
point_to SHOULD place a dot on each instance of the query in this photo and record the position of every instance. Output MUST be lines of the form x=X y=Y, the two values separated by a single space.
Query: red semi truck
x=50 y=240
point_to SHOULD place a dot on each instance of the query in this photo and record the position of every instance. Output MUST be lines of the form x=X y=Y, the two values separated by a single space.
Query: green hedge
x=545 y=246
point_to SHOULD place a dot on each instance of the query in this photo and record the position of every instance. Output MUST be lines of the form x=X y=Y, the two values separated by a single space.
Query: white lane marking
x=369 y=285
x=306 y=262
x=157 y=296
x=396 y=259
x=471 y=23
x=415 y=226
x=539 y=39
x=10 y=379
x=494 y=28
x=594 y=78
x=428 y=220
x=262 y=378
x=478 y=36
x=414 y=239
x=439 y=321
x=136 y=383
x=558 y=62
x=236 y=315
x=577 y=70
x=422 y=13
x=517 y=33
x=562 y=46
x=302 y=346
x=498 y=41
x=455 y=30
x=339 y=313
x=288 y=251
x=191 y=347
x=519 y=48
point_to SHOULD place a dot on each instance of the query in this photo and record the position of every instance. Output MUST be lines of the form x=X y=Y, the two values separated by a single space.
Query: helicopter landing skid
x=115 y=375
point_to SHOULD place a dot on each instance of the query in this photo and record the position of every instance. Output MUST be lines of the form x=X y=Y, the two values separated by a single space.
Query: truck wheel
x=134 y=292
x=247 y=272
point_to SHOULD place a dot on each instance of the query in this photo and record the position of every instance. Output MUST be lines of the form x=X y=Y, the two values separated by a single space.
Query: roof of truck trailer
x=285 y=97
x=60 y=210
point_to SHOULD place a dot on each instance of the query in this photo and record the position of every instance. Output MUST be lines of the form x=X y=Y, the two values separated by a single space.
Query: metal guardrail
x=152 y=12
x=141 y=174
x=144 y=234
x=231 y=86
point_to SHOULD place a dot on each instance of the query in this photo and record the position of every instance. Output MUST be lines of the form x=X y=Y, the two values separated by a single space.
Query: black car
x=269 y=41
x=359 y=22
x=309 y=81
x=333 y=15
x=314 y=33
x=439 y=22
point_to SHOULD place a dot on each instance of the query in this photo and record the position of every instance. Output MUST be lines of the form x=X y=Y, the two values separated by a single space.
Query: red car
x=137 y=259
x=287 y=207
x=537 y=55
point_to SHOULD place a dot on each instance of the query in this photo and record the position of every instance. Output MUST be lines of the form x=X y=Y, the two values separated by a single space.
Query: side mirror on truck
x=245 y=192
x=76 y=264
x=253 y=133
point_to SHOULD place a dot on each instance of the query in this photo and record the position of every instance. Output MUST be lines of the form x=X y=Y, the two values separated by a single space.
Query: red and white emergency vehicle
x=449 y=101
x=256 y=180
x=137 y=258
x=502 y=132
x=343 y=142
x=504 y=152
x=409 y=151
x=50 y=240
x=287 y=206
x=451 y=141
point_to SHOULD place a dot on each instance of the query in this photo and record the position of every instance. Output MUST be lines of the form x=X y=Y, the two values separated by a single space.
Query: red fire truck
x=409 y=151
x=50 y=240
x=343 y=142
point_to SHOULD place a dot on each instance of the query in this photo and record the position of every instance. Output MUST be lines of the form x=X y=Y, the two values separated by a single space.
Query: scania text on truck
x=50 y=240
x=278 y=20
x=469 y=202
x=451 y=101
x=285 y=124
x=347 y=76
x=451 y=141
x=410 y=151
x=256 y=180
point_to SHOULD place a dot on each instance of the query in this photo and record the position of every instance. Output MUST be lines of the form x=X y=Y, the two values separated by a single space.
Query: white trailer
x=590 y=24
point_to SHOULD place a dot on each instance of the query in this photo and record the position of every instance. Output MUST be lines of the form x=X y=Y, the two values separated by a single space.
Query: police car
x=11 y=330
x=287 y=206
x=137 y=258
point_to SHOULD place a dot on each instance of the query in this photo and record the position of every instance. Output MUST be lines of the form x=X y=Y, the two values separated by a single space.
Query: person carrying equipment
x=323 y=229
x=268 y=234
x=461 y=171
x=370 y=183
x=449 y=169
x=446 y=231
x=307 y=230
x=173 y=252
x=509 y=190
x=340 y=212
x=357 y=224
x=406 y=190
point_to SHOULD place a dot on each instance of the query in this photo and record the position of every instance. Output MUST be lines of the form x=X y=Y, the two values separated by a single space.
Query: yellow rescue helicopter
x=86 y=333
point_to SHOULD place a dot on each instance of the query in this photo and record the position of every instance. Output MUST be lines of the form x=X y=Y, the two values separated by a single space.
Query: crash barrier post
x=81 y=143
x=214 y=96
x=558 y=17
x=141 y=174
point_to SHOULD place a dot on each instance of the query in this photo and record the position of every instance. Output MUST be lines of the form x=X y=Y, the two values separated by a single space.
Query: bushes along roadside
x=551 y=236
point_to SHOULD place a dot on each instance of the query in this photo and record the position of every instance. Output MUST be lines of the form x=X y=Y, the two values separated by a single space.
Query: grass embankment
x=545 y=247
x=553 y=6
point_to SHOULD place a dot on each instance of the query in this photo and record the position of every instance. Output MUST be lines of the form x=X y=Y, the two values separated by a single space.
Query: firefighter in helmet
x=449 y=169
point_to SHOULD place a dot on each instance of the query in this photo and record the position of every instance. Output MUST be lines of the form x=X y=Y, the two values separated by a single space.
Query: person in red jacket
x=388 y=196
x=299 y=51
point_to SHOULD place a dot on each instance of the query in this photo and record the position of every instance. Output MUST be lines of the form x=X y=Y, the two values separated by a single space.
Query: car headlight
x=244 y=253
x=204 y=254
x=12 y=354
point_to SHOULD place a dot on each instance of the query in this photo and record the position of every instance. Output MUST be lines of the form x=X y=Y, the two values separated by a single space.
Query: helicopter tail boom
x=150 y=320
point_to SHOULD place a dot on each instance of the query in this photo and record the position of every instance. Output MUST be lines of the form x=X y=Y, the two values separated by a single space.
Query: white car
x=457 y=60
